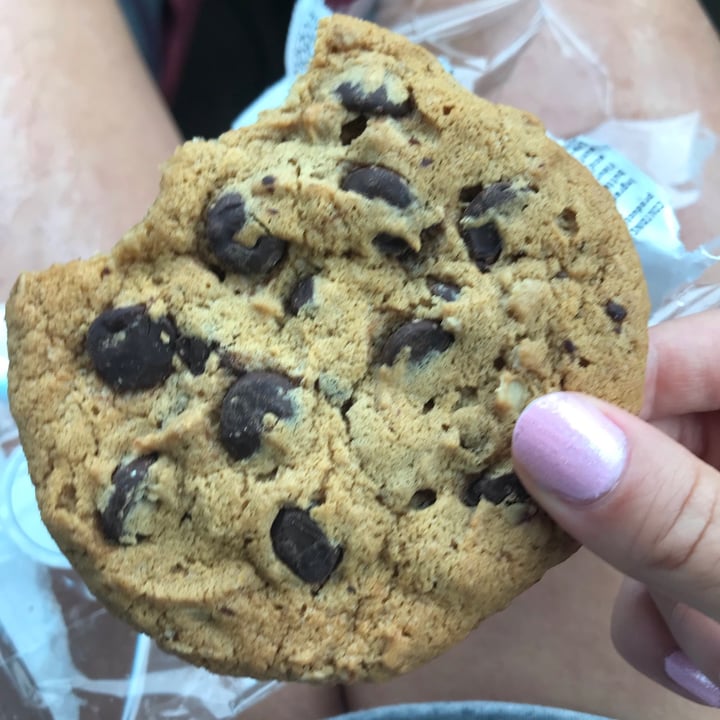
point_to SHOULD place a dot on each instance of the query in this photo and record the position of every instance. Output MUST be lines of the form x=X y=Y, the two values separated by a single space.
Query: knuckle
x=680 y=524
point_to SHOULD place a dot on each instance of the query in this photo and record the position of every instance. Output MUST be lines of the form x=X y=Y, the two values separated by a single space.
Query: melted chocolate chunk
x=491 y=197
x=423 y=337
x=194 y=352
x=128 y=492
x=245 y=405
x=131 y=351
x=615 y=311
x=374 y=181
x=301 y=294
x=423 y=499
x=224 y=220
x=393 y=246
x=353 y=129
x=484 y=245
x=497 y=490
x=469 y=193
x=299 y=542
x=446 y=291
x=376 y=102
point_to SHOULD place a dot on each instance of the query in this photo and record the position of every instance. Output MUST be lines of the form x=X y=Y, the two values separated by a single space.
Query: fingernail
x=567 y=446
x=680 y=669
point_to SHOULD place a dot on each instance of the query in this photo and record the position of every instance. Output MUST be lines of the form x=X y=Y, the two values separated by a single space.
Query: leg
x=82 y=135
x=294 y=701
x=552 y=645
x=83 y=132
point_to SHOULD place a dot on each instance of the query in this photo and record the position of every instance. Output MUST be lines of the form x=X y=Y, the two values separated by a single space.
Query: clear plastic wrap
x=545 y=56
x=53 y=633
x=62 y=655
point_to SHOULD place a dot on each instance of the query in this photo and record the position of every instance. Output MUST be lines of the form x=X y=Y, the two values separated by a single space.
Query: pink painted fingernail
x=567 y=446
x=680 y=669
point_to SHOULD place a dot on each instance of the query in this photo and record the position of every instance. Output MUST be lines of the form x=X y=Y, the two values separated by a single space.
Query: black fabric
x=713 y=10
x=237 y=51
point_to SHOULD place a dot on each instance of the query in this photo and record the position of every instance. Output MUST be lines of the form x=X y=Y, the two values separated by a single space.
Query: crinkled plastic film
x=62 y=655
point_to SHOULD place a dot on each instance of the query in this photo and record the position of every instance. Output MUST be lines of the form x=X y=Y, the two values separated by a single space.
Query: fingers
x=640 y=634
x=696 y=634
x=631 y=494
x=696 y=432
x=683 y=375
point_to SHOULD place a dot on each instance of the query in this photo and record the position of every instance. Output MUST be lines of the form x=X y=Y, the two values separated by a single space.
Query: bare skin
x=83 y=133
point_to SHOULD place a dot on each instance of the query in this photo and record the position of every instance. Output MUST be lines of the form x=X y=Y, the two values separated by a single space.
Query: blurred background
x=223 y=54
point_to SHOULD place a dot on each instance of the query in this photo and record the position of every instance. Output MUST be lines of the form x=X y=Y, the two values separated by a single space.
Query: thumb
x=628 y=492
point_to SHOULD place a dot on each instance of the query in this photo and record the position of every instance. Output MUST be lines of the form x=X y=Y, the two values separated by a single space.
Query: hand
x=644 y=494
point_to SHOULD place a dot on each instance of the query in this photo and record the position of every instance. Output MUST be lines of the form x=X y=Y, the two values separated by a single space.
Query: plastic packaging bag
x=62 y=655
x=527 y=53
x=53 y=634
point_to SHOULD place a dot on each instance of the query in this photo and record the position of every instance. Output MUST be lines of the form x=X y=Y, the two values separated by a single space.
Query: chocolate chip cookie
x=272 y=428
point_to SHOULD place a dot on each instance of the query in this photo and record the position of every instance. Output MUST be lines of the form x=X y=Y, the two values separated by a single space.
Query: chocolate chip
x=423 y=337
x=231 y=362
x=128 y=492
x=376 y=102
x=129 y=350
x=491 y=197
x=470 y=192
x=301 y=294
x=259 y=259
x=615 y=311
x=224 y=220
x=299 y=542
x=497 y=490
x=353 y=129
x=484 y=244
x=567 y=221
x=194 y=352
x=393 y=246
x=268 y=180
x=245 y=406
x=374 y=181
x=423 y=499
x=446 y=291
x=569 y=346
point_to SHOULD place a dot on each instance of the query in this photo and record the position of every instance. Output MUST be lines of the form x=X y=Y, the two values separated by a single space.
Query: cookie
x=272 y=428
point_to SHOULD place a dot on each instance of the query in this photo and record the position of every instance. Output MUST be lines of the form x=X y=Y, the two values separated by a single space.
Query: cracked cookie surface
x=272 y=428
